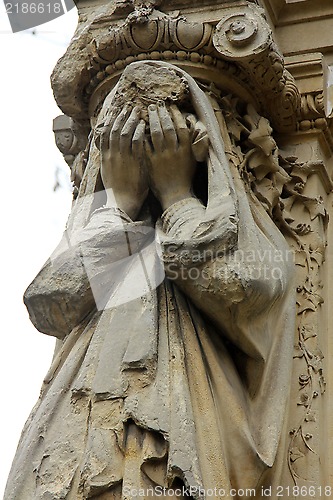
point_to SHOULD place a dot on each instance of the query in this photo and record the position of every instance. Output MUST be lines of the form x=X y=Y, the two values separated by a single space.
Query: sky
x=33 y=215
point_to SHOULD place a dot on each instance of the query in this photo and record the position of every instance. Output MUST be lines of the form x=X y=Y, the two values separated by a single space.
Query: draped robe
x=186 y=380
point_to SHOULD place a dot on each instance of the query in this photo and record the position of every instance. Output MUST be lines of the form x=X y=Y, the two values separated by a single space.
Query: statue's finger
x=102 y=139
x=156 y=132
x=117 y=127
x=182 y=131
x=138 y=140
x=168 y=127
x=148 y=149
x=102 y=133
x=109 y=119
x=128 y=130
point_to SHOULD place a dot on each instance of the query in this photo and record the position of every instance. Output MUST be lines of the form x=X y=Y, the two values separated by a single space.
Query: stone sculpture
x=172 y=291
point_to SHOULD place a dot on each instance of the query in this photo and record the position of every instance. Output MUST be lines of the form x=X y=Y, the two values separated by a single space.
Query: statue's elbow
x=57 y=312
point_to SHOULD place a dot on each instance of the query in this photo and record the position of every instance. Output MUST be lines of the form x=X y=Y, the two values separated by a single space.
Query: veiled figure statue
x=172 y=298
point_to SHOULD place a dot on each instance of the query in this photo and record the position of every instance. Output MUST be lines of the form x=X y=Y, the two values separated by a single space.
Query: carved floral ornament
x=236 y=52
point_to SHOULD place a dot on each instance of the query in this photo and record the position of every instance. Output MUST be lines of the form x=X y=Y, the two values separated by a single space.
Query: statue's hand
x=171 y=164
x=123 y=168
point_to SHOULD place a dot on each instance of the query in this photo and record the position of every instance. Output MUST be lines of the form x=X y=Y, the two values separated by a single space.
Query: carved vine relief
x=278 y=183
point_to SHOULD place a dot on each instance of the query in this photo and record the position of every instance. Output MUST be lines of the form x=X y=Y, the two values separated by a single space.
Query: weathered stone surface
x=189 y=290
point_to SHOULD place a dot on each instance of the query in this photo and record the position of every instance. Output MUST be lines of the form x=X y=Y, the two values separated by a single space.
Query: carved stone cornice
x=234 y=50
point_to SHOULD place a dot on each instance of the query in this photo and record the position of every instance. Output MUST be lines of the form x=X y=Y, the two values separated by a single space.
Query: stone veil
x=185 y=380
